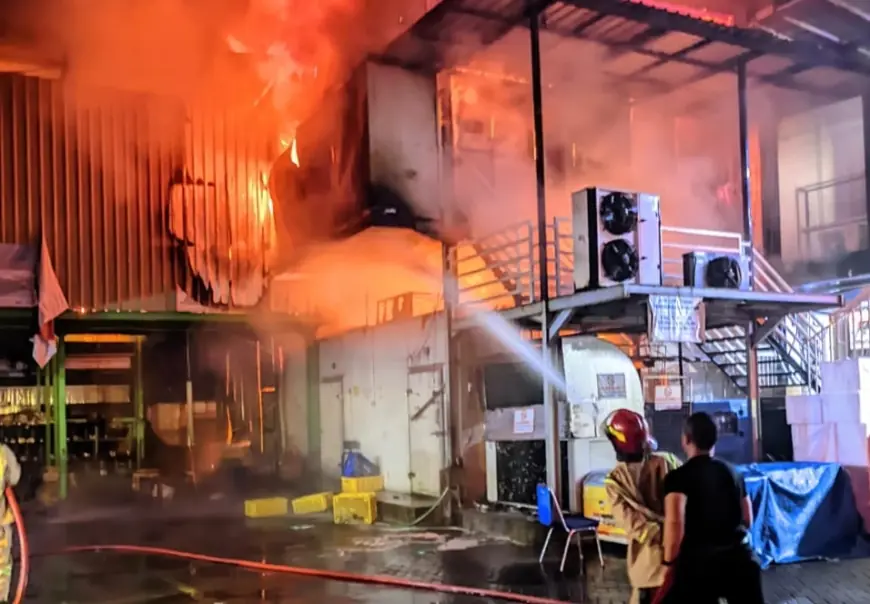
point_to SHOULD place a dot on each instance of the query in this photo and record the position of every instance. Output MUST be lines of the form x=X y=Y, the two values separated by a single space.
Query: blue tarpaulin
x=803 y=511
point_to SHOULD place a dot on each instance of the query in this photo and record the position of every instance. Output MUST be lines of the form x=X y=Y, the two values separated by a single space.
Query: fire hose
x=263 y=567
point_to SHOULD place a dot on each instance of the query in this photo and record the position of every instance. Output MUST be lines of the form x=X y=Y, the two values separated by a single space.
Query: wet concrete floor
x=448 y=557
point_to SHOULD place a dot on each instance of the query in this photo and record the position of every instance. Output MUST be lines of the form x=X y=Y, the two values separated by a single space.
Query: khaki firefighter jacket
x=637 y=497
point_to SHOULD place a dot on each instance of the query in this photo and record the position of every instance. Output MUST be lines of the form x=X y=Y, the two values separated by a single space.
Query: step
x=401 y=508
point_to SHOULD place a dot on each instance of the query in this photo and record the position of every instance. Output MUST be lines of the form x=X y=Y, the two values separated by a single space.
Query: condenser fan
x=724 y=272
x=619 y=260
x=618 y=213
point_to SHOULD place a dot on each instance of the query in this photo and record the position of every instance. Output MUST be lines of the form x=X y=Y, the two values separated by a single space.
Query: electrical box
x=724 y=271
x=617 y=238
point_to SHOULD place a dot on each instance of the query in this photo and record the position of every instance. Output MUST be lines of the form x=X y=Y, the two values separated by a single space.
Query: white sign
x=524 y=421
x=582 y=421
x=668 y=397
x=675 y=319
x=611 y=385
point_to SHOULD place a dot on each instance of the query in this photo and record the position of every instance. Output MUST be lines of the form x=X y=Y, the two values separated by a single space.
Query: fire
x=285 y=141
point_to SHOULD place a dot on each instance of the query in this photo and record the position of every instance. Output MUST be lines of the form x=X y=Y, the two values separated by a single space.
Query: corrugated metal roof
x=655 y=46
x=844 y=22
x=123 y=193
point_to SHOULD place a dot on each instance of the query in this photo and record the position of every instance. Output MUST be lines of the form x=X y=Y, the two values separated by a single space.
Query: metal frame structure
x=439 y=41
x=52 y=379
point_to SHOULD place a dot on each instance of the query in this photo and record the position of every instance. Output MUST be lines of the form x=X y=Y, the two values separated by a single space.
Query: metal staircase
x=790 y=356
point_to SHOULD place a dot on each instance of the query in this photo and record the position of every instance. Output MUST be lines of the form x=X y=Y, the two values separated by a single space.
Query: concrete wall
x=382 y=387
x=821 y=146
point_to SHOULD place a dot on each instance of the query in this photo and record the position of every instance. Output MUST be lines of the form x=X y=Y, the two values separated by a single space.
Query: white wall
x=403 y=135
x=384 y=379
x=824 y=144
x=294 y=397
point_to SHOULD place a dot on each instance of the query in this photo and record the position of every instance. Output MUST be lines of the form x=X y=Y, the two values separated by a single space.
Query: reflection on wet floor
x=433 y=556
x=448 y=557
x=114 y=579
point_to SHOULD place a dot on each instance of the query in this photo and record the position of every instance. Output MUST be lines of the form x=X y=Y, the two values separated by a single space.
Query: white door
x=426 y=432
x=331 y=427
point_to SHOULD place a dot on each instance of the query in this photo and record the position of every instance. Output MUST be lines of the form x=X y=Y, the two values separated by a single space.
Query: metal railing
x=848 y=336
x=820 y=232
x=502 y=270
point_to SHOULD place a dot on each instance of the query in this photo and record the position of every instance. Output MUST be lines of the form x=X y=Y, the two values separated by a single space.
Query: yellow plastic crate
x=264 y=508
x=354 y=507
x=311 y=504
x=366 y=484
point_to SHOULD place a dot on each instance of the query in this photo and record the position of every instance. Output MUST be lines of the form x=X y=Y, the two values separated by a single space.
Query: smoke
x=266 y=65
x=601 y=128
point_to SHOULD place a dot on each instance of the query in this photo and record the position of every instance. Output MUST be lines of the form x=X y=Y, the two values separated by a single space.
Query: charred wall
x=374 y=144
x=136 y=196
x=62 y=178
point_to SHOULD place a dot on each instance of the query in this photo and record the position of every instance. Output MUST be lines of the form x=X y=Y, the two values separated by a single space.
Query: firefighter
x=707 y=521
x=635 y=488
x=10 y=474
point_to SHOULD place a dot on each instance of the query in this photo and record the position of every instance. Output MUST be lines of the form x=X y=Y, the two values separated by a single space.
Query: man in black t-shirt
x=707 y=517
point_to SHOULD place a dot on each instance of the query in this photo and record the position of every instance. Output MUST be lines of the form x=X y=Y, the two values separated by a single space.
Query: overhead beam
x=829 y=54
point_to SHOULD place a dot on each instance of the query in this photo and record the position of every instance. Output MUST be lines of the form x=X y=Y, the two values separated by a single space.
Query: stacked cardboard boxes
x=834 y=426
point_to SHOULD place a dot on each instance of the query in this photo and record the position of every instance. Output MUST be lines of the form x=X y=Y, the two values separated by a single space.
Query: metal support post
x=551 y=408
x=61 y=446
x=44 y=382
x=188 y=397
x=258 y=357
x=752 y=385
x=188 y=392
x=865 y=104
x=139 y=404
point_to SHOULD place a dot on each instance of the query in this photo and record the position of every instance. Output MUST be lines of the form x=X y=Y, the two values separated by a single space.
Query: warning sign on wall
x=675 y=319
x=668 y=397
x=611 y=385
x=524 y=421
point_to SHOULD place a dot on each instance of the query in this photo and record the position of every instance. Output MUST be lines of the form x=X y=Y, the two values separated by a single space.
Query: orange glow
x=696 y=13
x=756 y=183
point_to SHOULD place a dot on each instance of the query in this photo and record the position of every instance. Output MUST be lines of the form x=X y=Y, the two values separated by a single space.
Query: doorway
x=426 y=430
x=331 y=426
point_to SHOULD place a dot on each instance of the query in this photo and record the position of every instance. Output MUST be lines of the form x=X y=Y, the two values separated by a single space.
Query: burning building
x=243 y=184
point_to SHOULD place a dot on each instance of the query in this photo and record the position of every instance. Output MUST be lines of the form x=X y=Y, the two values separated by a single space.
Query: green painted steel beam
x=182 y=317
x=60 y=419
x=236 y=318
x=139 y=405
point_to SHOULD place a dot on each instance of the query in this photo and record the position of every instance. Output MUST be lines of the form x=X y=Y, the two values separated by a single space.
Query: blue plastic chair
x=573 y=524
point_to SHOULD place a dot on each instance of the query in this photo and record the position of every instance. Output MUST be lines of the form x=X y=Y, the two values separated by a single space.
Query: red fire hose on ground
x=23 y=547
x=393 y=582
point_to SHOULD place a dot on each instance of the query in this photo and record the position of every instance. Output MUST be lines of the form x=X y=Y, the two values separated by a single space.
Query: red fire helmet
x=628 y=432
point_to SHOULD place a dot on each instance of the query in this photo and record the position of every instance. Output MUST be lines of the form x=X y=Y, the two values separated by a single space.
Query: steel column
x=865 y=105
x=752 y=386
x=61 y=446
x=46 y=389
x=551 y=408
x=139 y=404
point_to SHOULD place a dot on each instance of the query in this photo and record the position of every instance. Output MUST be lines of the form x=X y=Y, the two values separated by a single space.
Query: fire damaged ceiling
x=656 y=48
x=845 y=22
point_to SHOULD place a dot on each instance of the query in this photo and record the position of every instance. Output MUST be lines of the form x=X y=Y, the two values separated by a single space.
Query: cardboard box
x=851 y=443
x=849 y=375
x=803 y=409
x=814 y=442
x=843 y=407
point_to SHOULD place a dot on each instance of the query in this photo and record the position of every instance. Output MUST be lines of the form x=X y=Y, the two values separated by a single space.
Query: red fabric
x=665 y=587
